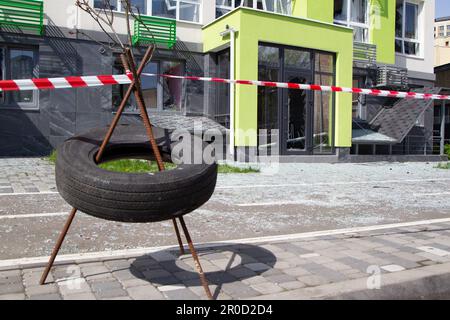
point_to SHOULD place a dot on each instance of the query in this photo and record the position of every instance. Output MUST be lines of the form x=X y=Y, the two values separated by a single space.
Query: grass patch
x=134 y=166
x=443 y=166
x=142 y=166
x=52 y=157
x=224 y=168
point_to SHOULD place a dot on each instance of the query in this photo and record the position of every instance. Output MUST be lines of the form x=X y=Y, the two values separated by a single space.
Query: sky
x=442 y=8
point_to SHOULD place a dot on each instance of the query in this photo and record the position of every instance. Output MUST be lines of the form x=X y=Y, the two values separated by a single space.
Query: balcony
x=22 y=14
x=154 y=30
x=365 y=53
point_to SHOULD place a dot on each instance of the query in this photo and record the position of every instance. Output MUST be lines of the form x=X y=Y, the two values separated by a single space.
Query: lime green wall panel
x=256 y=26
x=321 y=10
x=382 y=29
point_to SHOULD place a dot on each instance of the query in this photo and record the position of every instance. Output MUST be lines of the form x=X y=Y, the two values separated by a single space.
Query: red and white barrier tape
x=313 y=87
x=66 y=82
x=104 y=80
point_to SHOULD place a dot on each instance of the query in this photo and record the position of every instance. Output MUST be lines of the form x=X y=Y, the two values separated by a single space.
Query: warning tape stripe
x=312 y=87
x=106 y=80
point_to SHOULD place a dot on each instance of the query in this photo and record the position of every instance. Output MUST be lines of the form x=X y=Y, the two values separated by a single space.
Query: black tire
x=130 y=197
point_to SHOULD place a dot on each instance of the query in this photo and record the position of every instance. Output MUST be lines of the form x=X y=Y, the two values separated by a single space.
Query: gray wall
x=65 y=112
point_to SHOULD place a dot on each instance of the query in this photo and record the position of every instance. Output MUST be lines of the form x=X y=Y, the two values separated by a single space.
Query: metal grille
x=22 y=14
x=391 y=76
x=155 y=30
x=364 y=52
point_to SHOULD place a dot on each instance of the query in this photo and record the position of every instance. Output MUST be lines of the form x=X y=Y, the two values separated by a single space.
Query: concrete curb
x=431 y=282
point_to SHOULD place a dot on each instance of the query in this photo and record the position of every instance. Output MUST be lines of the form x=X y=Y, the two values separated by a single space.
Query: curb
x=431 y=282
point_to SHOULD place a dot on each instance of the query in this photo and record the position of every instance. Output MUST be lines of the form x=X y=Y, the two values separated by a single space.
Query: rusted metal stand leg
x=129 y=63
x=142 y=108
x=58 y=246
x=203 y=279
x=148 y=55
x=177 y=231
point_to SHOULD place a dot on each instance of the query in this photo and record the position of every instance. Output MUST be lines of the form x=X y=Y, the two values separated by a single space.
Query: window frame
x=419 y=40
x=254 y=6
x=149 y=5
x=159 y=90
x=349 y=23
x=6 y=101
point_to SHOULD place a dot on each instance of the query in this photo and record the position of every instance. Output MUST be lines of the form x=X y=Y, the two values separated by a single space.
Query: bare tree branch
x=102 y=18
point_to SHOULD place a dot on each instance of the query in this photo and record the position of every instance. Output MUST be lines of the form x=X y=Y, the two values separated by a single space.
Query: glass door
x=297 y=104
x=296 y=115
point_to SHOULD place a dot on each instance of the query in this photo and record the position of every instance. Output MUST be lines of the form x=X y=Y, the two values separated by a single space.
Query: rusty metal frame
x=135 y=87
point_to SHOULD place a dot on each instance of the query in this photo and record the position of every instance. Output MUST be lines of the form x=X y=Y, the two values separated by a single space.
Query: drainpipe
x=230 y=31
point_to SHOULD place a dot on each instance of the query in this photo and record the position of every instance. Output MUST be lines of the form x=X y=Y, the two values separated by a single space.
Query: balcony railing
x=365 y=52
x=22 y=14
x=392 y=77
x=155 y=30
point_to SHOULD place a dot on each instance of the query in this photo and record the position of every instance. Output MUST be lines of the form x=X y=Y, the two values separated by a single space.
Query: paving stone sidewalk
x=238 y=271
x=20 y=175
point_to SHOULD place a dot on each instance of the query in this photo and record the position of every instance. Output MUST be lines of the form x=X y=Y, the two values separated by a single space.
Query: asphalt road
x=294 y=198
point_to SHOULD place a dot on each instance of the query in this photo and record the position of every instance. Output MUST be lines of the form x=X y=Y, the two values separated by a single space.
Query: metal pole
x=232 y=92
x=442 y=144
x=58 y=246
x=196 y=260
x=177 y=231
x=232 y=32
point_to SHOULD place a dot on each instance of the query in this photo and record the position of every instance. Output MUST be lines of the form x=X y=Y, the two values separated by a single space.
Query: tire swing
x=131 y=197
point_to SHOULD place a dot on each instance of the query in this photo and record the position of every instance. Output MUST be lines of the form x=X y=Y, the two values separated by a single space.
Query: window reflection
x=172 y=88
x=22 y=65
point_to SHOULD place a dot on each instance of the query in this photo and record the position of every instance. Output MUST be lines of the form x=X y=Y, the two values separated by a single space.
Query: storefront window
x=172 y=88
x=222 y=114
x=268 y=70
x=150 y=86
x=323 y=103
x=303 y=119
x=159 y=93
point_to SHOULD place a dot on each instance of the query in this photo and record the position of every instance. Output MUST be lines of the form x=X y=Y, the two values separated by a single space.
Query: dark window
x=159 y=93
x=222 y=115
x=102 y=4
x=172 y=88
x=18 y=63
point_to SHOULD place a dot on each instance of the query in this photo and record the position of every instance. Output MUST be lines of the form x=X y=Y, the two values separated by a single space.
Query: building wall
x=256 y=26
x=313 y=9
x=422 y=66
x=64 y=14
x=382 y=29
x=442 y=51
x=63 y=113
x=442 y=43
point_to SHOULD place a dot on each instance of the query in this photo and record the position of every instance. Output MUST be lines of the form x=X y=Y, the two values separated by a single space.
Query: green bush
x=447 y=150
